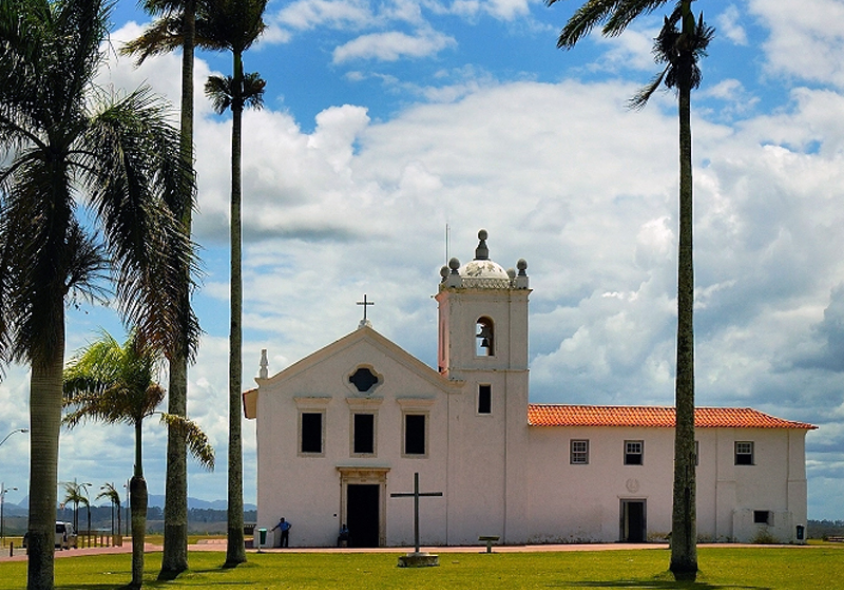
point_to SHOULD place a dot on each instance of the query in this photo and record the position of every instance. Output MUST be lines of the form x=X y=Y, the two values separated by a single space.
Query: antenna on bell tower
x=447 y=229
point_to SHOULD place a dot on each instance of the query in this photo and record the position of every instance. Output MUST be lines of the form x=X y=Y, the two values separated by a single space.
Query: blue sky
x=385 y=122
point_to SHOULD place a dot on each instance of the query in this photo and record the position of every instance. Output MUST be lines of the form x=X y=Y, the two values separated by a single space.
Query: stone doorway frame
x=366 y=476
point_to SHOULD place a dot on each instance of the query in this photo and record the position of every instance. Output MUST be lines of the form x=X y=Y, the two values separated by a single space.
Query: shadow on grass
x=660 y=583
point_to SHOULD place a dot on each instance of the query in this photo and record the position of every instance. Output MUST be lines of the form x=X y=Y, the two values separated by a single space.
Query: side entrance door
x=634 y=527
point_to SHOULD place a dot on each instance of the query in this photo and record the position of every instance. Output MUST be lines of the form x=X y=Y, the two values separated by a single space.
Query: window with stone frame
x=744 y=452
x=579 y=452
x=311 y=433
x=363 y=434
x=415 y=435
x=634 y=452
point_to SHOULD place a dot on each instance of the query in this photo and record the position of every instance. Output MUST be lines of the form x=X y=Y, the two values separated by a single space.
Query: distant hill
x=22 y=508
x=197 y=504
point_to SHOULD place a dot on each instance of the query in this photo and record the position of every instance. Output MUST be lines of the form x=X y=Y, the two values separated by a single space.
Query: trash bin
x=262 y=533
x=801 y=532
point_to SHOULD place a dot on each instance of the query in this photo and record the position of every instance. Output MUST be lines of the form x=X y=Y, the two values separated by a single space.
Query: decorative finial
x=482 y=252
x=522 y=280
x=264 y=372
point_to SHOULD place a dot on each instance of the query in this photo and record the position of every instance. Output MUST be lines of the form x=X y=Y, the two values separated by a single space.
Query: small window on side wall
x=762 y=517
x=744 y=453
x=484 y=399
x=634 y=452
x=580 y=452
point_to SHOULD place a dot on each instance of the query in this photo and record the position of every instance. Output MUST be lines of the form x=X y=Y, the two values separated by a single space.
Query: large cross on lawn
x=415 y=494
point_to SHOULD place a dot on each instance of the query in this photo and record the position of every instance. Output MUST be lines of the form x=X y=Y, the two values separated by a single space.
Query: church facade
x=343 y=429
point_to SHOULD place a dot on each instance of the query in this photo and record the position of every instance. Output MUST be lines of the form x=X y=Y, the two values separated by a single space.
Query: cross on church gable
x=365 y=304
x=415 y=494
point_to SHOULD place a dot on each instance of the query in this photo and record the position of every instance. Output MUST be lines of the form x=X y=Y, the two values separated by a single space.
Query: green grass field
x=764 y=568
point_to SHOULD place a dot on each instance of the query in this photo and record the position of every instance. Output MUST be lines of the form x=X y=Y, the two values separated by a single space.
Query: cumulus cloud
x=393 y=45
x=728 y=25
x=308 y=14
x=801 y=44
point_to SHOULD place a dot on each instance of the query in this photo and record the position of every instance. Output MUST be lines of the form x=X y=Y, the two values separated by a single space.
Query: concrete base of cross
x=421 y=559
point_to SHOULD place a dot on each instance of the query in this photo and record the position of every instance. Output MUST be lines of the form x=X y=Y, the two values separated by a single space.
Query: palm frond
x=612 y=15
x=135 y=169
x=112 y=383
x=162 y=36
x=641 y=98
x=220 y=91
x=108 y=490
x=232 y=24
x=197 y=441
x=253 y=90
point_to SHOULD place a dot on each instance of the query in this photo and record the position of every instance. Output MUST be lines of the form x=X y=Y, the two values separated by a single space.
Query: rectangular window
x=634 y=452
x=744 y=453
x=311 y=441
x=414 y=434
x=484 y=399
x=761 y=517
x=697 y=453
x=364 y=434
x=579 y=452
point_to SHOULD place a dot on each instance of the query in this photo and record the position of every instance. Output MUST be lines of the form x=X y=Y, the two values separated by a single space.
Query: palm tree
x=76 y=494
x=65 y=145
x=111 y=383
x=175 y=28
x=680 y=50
x=107 y=490
x=236 y=24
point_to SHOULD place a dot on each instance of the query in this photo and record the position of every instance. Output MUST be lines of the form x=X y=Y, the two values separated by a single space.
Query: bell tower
x=483 y=344
x=483 y=316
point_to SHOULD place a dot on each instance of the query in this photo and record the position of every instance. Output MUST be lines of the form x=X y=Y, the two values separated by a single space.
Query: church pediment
x=362 y=357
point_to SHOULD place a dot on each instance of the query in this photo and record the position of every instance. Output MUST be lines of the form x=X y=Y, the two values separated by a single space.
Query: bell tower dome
x=483 y=315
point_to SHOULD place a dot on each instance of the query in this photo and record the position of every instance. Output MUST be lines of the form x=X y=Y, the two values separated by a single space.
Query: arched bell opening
x=484 y=337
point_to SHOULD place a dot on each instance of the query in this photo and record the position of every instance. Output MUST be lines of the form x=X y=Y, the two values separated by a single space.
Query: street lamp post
x=3 y=490
x=24 y=430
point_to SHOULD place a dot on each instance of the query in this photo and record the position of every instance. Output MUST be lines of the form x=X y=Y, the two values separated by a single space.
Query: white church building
x=343 y=429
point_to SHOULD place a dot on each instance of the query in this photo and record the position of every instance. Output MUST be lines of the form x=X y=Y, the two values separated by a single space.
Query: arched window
x=484 y=337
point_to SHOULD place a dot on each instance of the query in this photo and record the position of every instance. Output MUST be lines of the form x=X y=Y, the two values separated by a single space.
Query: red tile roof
x=653 y=417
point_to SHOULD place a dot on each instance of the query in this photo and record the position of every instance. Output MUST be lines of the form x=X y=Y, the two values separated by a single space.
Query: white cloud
x=728 y=25
x=308 y=14
x=802 y=44
x=392 y=46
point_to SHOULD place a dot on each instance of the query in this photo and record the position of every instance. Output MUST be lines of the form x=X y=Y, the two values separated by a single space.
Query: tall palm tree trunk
x=45 y=404
x=138 y=501
x=236 y=549
x=138 y=504
x=684 y=521
x=175 y=555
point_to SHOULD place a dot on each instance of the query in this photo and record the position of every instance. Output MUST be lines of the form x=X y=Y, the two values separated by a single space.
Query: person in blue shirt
x=284 y=526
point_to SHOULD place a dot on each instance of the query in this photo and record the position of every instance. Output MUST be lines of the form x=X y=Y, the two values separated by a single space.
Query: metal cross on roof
x=365 y=304
x=415 y=494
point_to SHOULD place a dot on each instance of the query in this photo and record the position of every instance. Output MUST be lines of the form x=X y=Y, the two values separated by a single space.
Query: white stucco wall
x=582 y=503
x=306 y=490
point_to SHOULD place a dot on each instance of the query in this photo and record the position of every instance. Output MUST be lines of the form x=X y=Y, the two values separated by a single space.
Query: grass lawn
x=763 y=568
